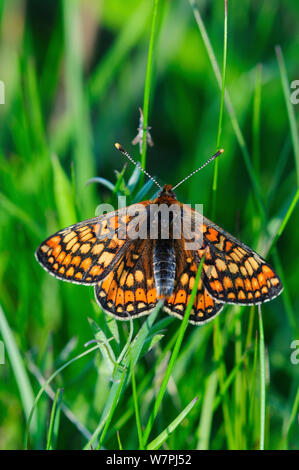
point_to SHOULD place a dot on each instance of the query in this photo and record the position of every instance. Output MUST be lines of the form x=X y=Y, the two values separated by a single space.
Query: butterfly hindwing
x=204 y=307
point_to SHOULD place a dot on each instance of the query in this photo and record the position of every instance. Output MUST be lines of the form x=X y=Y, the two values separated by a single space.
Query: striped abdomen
x=164 y=267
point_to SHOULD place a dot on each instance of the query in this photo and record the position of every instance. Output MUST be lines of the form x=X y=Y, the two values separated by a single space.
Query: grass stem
x=147 y=86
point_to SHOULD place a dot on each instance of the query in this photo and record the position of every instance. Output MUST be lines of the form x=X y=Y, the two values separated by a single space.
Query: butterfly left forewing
x=86 y=252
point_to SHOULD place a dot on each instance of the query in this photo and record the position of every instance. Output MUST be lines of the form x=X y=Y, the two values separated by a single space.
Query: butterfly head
x=167 y=193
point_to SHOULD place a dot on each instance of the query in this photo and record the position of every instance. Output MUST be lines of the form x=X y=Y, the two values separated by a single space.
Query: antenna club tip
x=117 y=146
x=221 y=151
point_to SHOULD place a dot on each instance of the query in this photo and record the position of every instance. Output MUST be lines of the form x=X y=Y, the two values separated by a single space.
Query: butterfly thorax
x=166 y=195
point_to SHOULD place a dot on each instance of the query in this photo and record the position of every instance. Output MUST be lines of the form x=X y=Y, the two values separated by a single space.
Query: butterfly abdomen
x=164 y=267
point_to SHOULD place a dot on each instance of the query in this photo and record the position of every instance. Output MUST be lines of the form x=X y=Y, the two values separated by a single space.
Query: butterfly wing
x=233 y=272
x=129 y=291
x=204 y=308
x=86 y=252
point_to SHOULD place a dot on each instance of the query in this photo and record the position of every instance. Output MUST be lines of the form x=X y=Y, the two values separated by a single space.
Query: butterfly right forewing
x=232 y=271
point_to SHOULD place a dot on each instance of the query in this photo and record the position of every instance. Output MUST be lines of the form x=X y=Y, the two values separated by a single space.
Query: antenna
x=124 y=152
x=200 y=168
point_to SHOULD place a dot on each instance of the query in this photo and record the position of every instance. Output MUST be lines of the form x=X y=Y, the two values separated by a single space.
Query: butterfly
x=130 y=262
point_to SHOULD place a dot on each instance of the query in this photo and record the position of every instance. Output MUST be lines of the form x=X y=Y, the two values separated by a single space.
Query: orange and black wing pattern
x=128 y=271
x=233 y=272
x=129 y=290
x=86 y=252
x=204 y=308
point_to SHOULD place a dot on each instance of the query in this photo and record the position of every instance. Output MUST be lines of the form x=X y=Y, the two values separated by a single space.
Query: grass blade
x=174 y=355
x=204 y=429
x=262 y=381
x=292 y=418
x=128 y=37
x=54 y=420
x=136 y=407
x=77 y=104
x=215 y=177
x=113 y=407
x=147 y=86
x=23 y=382
x=290 y=108
x=63 y=195
x=284 y=221
x=256 y=121
x=44 y=387
x=51 y=394
x=130 y=359
x=230 y=109
x=159 y=440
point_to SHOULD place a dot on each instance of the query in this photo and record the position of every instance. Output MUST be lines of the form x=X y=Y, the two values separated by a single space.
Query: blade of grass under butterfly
x=54 y=420
x=60 y=369
x=262 y=381
x=17 y=364
x=113 y=407
x=239 y=398
x=108 y=411
x=292 y=418
x=252 y=386
x=148 y=380
x=136 y=348
x=228 y=381
x=136 y=407
x=137 y=343
x=51 y=394
x=206 y=415
x=159 y=440
x=131 y=357
x=174 y=356
x=218 y=358
x=120 y=447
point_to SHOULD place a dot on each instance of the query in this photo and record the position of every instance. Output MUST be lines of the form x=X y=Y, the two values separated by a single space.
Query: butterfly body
x=164 y=267
x=131 y=273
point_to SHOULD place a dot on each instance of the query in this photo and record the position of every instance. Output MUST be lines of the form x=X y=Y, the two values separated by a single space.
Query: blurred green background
x=74 y=75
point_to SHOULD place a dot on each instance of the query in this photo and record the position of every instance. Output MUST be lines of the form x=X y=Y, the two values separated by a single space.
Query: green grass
x=74 y=79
